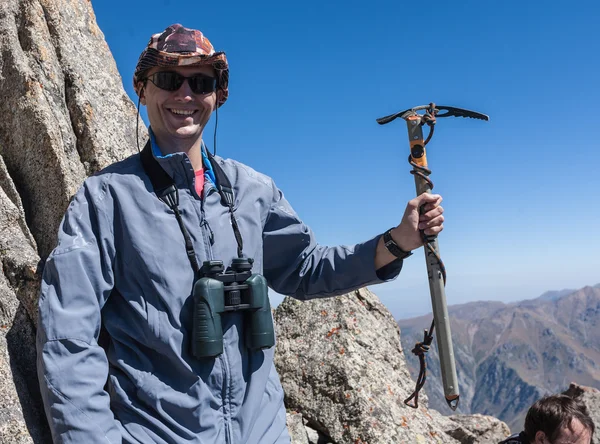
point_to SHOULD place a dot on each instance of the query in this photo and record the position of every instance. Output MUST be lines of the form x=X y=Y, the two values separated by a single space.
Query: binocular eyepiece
x=218 y=291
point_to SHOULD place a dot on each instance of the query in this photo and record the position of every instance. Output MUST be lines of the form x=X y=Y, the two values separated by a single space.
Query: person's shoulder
x=127 y=166
x=239 y=172
x=517 y=438
x=119 y=173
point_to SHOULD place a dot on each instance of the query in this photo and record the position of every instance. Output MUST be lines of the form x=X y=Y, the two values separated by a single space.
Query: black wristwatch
x=393 y=246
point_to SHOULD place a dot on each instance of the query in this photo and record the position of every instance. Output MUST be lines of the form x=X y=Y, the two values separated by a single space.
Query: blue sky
x=308 y=79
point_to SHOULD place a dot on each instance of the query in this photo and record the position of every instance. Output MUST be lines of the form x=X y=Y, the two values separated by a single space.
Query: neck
x=190 y=147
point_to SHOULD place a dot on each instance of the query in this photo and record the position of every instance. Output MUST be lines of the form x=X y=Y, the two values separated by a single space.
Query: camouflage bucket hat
x=179 y=46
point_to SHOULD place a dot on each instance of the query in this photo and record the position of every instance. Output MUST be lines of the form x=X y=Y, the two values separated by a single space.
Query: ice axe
x=435 y=267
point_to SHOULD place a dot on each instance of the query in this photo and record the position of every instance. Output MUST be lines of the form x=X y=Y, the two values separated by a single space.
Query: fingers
x=428 y=201
x=434 y=230
x=431 y=206
x=431 y=219
x=431 y=223
x=429 y=214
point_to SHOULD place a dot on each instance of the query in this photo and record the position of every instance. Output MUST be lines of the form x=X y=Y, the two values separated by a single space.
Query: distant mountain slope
x=508 y=355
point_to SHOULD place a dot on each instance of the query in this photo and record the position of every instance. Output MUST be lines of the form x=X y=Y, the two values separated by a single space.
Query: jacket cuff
x=390 y=271
x=386 y=273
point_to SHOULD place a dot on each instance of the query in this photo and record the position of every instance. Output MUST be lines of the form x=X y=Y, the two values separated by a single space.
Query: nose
x=184 y=92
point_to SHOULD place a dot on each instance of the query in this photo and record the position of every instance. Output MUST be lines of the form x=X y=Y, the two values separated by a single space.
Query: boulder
x=343 y=369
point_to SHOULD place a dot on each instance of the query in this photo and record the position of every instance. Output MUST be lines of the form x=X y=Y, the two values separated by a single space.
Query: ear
x=140 y=90
x=539 y=437
x=218 y=98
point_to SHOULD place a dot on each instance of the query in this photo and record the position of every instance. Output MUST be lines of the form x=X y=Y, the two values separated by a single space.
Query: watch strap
x=393 y=247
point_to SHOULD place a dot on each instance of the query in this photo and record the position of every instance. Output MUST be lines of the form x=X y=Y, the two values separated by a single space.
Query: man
x=115 y=339
x=556 y=419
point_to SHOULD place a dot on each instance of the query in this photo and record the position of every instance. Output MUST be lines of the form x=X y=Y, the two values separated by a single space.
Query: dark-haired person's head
x=558 y=419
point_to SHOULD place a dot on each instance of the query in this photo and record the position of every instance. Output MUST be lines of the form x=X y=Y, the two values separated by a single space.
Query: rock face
x=296 y=428
x=64 y=116
x=65 y=113
x=343 y=369
x=478 y=429
x=18 y=294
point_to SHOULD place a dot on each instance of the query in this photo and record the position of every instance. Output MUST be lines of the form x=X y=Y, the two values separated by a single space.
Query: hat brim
x=152 y=58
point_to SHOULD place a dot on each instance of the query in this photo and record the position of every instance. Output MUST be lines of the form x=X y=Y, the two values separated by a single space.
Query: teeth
x=182 y=112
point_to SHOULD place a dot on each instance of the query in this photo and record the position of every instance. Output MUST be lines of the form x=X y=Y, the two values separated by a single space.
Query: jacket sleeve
x=72 y=367
x=295 y=265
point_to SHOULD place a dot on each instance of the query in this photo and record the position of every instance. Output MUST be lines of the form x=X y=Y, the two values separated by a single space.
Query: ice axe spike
x=435 y=267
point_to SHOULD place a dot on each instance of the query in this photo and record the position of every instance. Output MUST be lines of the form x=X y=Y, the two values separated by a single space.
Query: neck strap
x=166 y=191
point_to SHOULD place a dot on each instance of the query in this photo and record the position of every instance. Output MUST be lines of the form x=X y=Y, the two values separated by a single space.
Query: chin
x=186 y=132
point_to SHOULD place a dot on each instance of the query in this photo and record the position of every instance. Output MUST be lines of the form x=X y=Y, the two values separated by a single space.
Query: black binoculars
x=218 y=291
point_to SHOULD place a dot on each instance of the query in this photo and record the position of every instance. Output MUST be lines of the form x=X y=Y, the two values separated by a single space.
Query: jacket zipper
x=226 y=389
x=206 y=226
x=207 y=232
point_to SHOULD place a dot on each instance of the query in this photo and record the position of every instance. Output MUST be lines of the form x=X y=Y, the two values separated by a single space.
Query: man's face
x=576 y=434
x=178 y=115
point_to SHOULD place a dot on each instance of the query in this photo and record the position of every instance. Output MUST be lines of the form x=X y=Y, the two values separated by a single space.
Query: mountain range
x=509 y=355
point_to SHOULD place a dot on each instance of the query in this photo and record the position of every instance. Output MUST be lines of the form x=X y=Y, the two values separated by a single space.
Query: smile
x=182 y=112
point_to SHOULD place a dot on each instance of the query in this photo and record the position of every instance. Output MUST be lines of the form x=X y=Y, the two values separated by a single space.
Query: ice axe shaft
x=434 y=273
x=435 y=267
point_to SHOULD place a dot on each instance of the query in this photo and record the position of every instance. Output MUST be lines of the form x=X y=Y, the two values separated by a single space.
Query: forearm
x=382 y=255
x=72 y=375
x=330 y=271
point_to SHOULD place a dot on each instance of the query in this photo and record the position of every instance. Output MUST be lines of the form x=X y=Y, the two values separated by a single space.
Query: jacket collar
x=178 y=165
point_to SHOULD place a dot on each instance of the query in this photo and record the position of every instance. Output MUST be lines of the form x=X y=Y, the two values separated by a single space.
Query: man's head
x=181 y=80
x=559 y=419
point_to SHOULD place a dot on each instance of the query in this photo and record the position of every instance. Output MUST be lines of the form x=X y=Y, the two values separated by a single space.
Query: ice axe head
x=432 y=111
x=415 y=122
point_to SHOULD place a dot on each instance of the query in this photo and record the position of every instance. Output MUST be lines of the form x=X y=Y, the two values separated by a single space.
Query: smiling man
x=125 y=302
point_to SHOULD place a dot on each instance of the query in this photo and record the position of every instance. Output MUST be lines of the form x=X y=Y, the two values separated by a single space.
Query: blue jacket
x=114 y=360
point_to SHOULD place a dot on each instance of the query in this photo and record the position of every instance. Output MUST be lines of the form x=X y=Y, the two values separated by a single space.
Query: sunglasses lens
x=172 y=81
x=201 y=84
x=167 y=80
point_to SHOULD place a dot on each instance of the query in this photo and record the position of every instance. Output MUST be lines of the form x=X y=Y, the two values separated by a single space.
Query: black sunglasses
x=172 y=81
